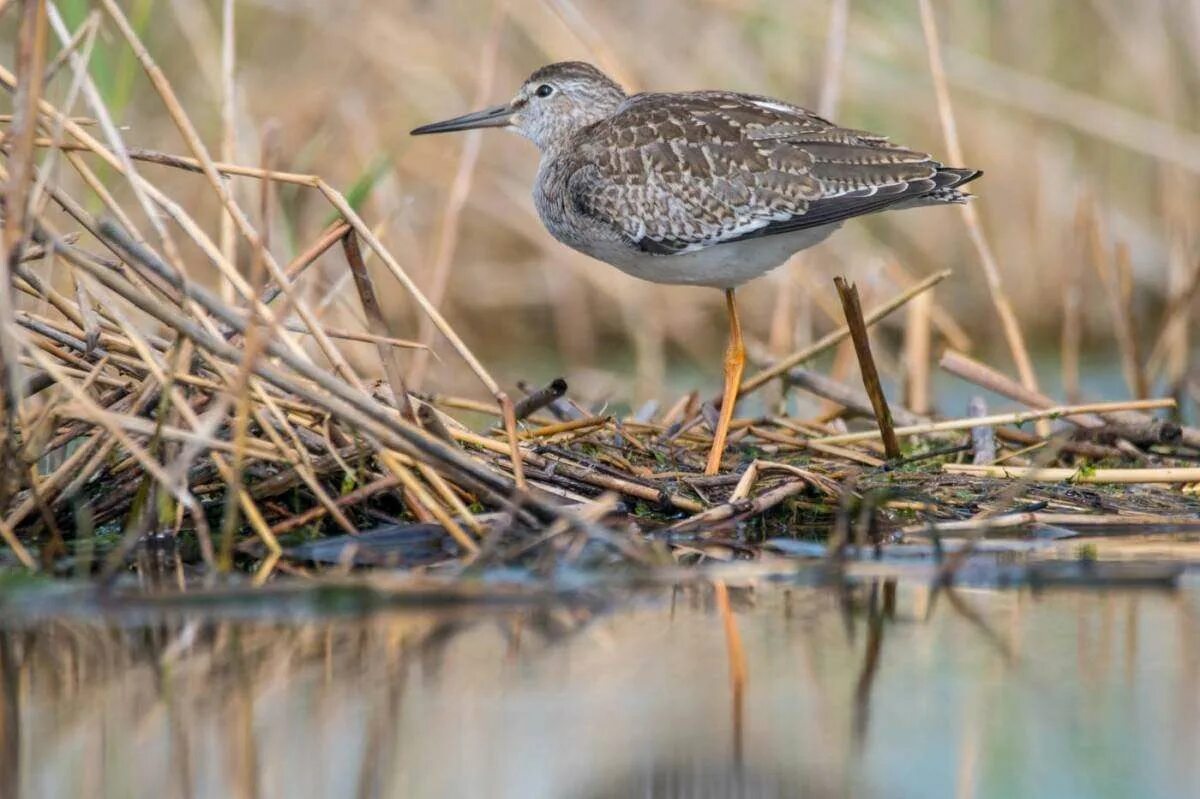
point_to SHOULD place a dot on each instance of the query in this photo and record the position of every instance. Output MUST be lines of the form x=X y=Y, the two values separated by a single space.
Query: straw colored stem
x=1181 y=475
x=388 y=357
x=1002 y=418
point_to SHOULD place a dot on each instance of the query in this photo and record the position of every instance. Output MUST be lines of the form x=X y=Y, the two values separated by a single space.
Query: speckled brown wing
x=679 y=172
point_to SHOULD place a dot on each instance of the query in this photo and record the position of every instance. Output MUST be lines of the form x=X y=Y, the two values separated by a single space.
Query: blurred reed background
x=1080 y=113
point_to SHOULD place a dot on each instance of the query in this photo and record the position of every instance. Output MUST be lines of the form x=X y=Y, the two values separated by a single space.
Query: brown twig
x=866 y=364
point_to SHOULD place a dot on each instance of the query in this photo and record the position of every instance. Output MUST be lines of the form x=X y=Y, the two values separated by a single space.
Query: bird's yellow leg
x=735 y=364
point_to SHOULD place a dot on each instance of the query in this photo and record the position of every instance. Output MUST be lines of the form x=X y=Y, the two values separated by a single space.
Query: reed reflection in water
x=878 y=691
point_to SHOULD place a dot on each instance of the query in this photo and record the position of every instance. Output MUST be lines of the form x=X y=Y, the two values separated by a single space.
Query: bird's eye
x=545 y=90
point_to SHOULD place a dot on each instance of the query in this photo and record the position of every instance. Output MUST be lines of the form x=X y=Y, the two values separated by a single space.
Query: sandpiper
x=707 y=188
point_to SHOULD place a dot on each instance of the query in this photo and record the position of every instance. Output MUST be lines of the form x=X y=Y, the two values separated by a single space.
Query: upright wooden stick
x=866 y=363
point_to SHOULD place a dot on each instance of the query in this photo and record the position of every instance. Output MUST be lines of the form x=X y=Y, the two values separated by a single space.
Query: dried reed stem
x=1004 y=418
x=1077 y=475
x=866 y=365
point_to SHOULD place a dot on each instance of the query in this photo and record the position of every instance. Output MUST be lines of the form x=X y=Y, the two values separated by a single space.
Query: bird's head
x=552 y=103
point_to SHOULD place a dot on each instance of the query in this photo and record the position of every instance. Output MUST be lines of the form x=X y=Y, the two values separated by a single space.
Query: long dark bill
x=496 y=117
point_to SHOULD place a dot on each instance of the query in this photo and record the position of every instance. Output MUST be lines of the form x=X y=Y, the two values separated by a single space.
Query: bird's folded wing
x=681 y=172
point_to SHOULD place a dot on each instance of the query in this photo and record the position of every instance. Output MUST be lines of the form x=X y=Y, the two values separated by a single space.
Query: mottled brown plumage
x=681 y=172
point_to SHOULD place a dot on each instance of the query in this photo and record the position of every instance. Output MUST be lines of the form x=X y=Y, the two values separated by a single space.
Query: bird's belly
x=719 y=266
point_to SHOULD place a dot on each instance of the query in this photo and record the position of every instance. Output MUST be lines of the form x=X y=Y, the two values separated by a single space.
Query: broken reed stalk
x=866 y=364
x=535 y=401
x=986 y=377
x=1126 y=424
x=332 y=235
x=1003 y=418
x=388 y=357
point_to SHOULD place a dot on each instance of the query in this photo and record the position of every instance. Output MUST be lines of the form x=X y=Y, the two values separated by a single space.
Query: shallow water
x=880 y=693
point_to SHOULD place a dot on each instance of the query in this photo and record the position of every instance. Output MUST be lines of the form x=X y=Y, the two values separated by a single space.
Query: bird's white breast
x=722 y=266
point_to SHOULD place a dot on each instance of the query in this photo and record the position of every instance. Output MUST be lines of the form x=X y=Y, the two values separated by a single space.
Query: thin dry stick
x=224 y=168
x=741 y=507
x=332 y=235
x=64 y=53
x=1069 y=520
x=388 y=357
x=1130 y=425
x=866 y=364
x=1183 y=475
x=18 y=549
x=423 y=496
x=1008 y=319
x=1003 y=418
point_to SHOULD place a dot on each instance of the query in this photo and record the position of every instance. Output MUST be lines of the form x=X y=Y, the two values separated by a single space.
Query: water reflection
x=879 y=690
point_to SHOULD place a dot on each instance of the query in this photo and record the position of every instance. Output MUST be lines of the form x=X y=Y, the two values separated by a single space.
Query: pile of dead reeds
x=139 y=404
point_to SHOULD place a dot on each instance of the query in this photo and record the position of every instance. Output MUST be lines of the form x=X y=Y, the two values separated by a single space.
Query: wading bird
x=707 y=188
